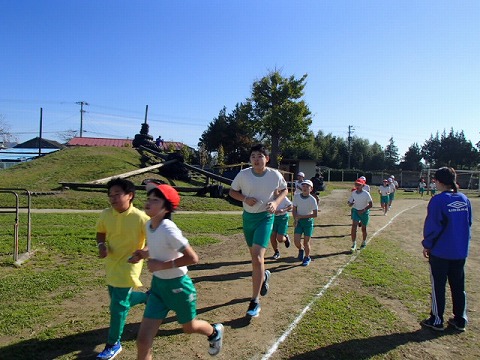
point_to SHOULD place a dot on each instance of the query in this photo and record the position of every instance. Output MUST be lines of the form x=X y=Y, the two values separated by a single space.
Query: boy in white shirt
x=361 y=202
x=305 y=209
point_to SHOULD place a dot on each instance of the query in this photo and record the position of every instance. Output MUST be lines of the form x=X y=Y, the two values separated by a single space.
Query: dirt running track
x=224 y=286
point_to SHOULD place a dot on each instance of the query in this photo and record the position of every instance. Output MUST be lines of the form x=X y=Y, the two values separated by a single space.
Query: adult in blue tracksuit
x=446 y=237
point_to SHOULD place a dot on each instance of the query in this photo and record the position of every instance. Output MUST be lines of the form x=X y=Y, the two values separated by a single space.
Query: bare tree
x=5 y=133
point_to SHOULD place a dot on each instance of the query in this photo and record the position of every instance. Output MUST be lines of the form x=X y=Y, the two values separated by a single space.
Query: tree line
x=276 y=114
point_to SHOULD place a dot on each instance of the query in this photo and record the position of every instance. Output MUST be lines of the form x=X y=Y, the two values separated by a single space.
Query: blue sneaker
x=253 y=309
x=301 y=254
x=264 y=289
x=364 y=244
x=110 y=351
x=306 y=261
x=217 y=341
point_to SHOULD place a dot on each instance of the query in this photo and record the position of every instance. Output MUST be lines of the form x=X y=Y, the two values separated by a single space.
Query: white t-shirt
x=284 y=204
x=260 y=187
x=298 y=187
x=360 y=200
x=305 y=205
x=384 y=190
x=392 y=187
x=366 y=188
x=165 y=243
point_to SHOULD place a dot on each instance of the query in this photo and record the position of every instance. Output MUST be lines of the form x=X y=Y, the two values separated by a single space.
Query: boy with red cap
x=168 y=253
x=361 y=202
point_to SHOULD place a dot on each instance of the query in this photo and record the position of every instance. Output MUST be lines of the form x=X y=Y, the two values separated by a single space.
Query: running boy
x=280 y=227
x=120 y=231
x=422 y=185
x=255 y=187
x=384 y=191
x=305 y=209
x=361 y=202
x=168 y=253
x=446 y=239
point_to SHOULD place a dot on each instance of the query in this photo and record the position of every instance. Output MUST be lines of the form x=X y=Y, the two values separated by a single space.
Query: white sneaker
x=217 y=342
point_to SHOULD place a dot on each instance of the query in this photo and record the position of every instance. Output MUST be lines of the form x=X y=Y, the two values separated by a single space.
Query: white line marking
x=300 y=316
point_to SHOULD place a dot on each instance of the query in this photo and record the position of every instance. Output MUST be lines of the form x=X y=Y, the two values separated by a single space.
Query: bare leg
x=306 y=245
x=258 y=269
x=198 y=327
x=146 y=334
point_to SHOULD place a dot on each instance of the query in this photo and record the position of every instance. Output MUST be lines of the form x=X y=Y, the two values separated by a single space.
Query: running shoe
x=430 y=323
x=253 y=309
x=457 y=324
x=264 y=289
x=215 y=344
x=354 y=247
x=110 y=351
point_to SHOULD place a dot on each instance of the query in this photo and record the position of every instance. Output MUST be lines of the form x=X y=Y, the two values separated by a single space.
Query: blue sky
x=402 y=69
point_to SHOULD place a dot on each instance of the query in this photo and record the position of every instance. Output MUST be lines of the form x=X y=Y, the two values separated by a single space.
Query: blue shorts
x=257 y=228
x=391 y=196
x=384 y=199
x=176 y=294
x=304 y=226
x=363 y=218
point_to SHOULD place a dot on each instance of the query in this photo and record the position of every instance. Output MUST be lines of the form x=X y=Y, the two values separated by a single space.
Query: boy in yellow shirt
x=120 y=232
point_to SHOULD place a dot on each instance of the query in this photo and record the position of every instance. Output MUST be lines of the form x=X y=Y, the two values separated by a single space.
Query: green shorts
x=280 y=224
x=384 y=199
x=391 y=196
x=304 y=226
x=257 y=228
x=176 y=294
x=363 y=218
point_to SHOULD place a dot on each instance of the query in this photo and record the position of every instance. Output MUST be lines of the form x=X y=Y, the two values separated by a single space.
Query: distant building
x=35 y=143
x=27 y=151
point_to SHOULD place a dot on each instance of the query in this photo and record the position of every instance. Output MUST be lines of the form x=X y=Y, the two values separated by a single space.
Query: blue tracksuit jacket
x=446 y=231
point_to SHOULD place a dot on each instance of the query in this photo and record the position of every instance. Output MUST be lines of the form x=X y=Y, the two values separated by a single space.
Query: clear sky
x=402 y=69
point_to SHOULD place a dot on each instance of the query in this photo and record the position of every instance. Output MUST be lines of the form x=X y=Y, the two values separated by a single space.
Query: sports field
x=342 y=306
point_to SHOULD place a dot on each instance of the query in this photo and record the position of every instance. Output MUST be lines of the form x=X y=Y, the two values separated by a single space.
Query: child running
x=361 y=202
x=168 y=253
x=305 y=209
x=255 y=187
x=446 y=239
x=384 y=191
x=120 y=231
x=422 y=185
x=280 y=227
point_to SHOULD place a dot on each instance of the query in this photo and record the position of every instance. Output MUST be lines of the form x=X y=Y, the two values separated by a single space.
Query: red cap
x=360 y=181
x=169 y=192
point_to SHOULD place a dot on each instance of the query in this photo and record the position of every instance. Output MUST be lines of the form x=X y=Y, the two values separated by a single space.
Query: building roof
x=35 y=142
x=90 y=141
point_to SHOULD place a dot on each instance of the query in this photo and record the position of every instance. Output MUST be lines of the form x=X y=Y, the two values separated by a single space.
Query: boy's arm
x=102 y=246
x=273 y=205
x=237 y=195
x=189 y=257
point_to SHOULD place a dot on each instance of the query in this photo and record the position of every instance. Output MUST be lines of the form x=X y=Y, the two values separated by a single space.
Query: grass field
x=49 y=306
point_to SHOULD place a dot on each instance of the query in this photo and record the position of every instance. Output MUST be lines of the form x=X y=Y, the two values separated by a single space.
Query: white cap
x=308 y=182
x=363 y=178
x=301 y=174
x=393 y=177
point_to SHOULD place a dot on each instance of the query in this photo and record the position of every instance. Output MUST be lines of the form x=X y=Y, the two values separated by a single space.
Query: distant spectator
x=159 y=141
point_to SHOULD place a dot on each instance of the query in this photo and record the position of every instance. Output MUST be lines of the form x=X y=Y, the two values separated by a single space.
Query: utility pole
x=81 y=103
x=350 y=132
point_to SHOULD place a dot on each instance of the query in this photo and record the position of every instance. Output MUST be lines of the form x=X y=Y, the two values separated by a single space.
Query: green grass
x=66 y=262
x=346 y=315
x=83 y=164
